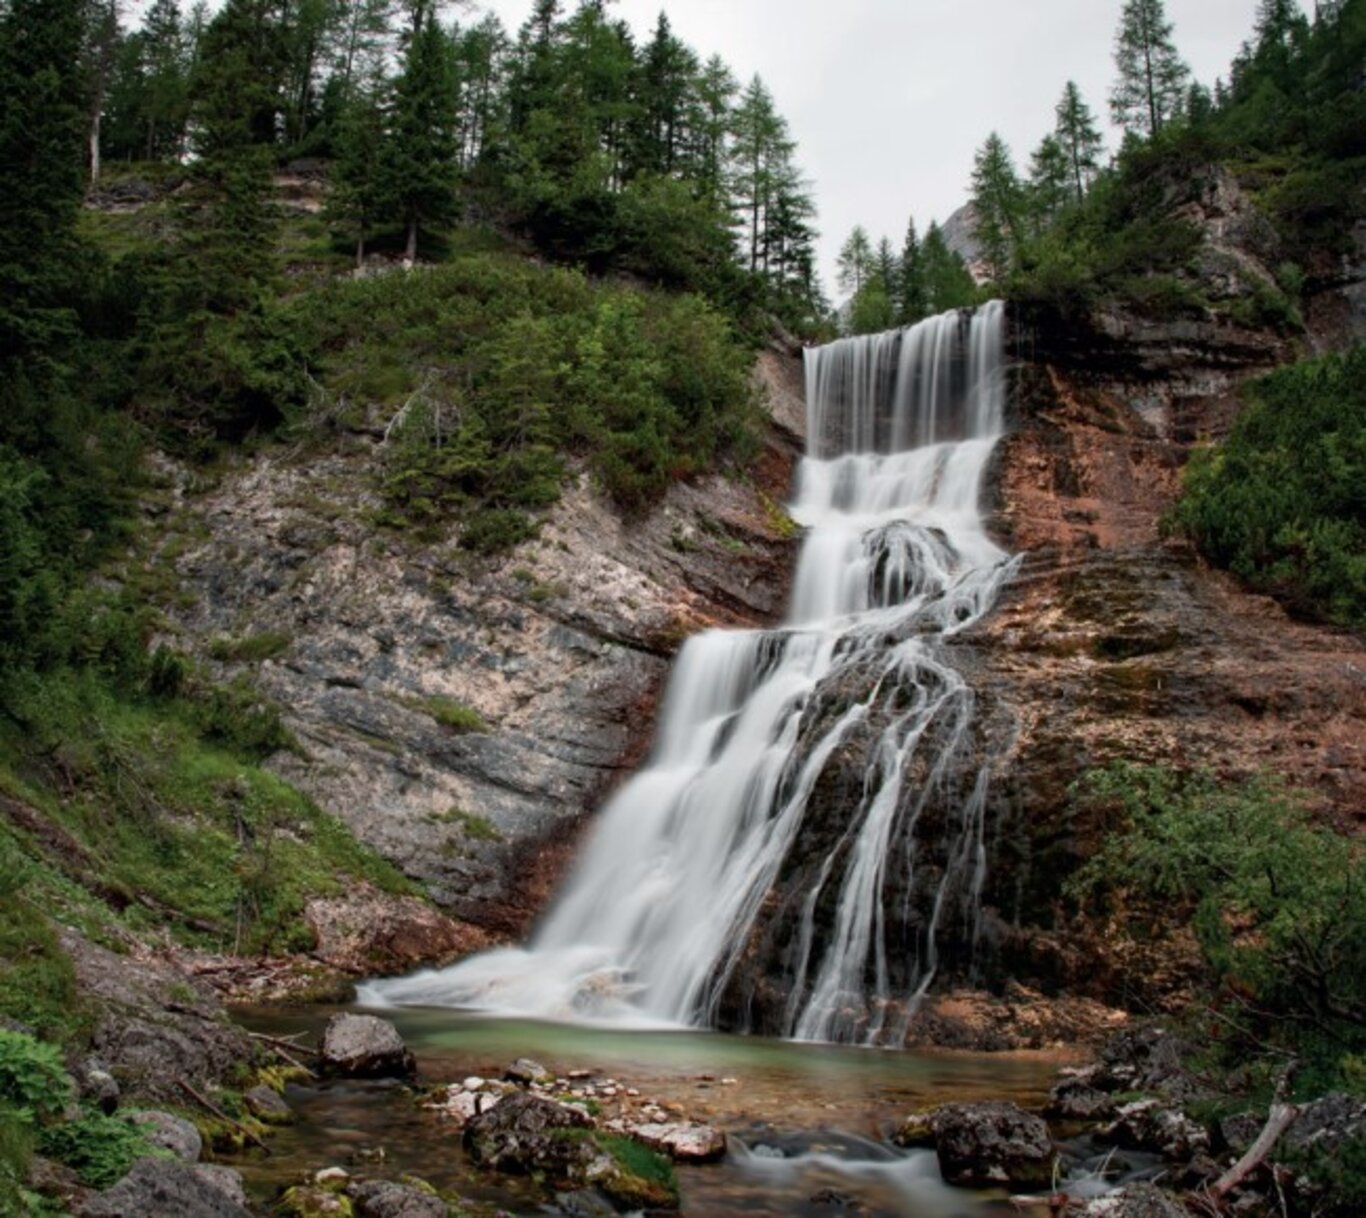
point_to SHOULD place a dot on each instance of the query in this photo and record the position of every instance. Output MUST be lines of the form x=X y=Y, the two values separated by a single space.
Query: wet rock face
x=559 y=649
x=985 y=1144
x=1114 y=643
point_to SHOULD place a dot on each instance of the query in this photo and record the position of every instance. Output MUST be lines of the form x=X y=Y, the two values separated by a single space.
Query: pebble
x=331 y=1175
x=473 y=1083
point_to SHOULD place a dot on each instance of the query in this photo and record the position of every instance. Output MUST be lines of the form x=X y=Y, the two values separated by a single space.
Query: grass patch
x=250 y=649
x=164 y=802
x=475 y=827
x=449 y=713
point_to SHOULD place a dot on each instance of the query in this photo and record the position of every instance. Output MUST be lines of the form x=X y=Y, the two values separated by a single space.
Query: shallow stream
x=808 y=1123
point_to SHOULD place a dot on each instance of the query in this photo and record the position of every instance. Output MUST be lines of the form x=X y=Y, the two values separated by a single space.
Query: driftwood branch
x=287 y=1049
x=207 y=1104
x=1282 y=1116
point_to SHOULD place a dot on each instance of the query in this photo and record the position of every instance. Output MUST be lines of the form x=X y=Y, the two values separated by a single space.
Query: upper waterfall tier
x=692 y=855
x=887 y=393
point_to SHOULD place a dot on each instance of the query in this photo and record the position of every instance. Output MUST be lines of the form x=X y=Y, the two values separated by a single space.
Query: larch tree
x=1080 y=138
x=855 y=261
x=1050 y=183
x=1152 y=76
x=761 y=157
x=998 y=205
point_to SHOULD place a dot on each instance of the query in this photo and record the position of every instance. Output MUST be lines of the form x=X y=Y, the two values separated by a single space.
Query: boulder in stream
x=998 y=1143
x=390 y=1199
x=1150 y=1125
x=361 y=1046
x=526 y=1134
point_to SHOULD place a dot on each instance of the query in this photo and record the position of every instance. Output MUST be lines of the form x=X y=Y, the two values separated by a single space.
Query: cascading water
x=683 y=861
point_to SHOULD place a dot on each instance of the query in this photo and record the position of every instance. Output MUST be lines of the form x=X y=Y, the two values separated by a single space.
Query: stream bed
x=808 y=1124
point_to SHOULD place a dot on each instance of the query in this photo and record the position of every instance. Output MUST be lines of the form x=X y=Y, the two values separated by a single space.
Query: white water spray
x=658 y=912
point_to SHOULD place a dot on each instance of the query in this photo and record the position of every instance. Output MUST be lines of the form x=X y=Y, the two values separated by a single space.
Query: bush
x=33 y=1079
x=99 y=1148
x=1276 y=902
x=1282 y=503
x=492 y=374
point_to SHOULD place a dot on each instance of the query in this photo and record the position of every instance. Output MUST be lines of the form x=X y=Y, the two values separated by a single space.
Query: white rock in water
x=684 y=1142
x=331 y=1175
x=473 y=1083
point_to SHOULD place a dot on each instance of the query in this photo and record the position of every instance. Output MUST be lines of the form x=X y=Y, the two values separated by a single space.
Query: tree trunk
x=410 y=250
x=95 y=145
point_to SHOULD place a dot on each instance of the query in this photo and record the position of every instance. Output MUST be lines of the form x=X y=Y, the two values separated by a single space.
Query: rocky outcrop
x=463 y=714
x=156 y=1027
x=164 y=1187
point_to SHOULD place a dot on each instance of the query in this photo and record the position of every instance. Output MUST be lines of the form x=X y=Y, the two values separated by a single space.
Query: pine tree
x=481 y=55
x=420 y=162
x=911 y=294
x=998 y=205
x=103 y=37
x=1079 y=137
x=666 y=77
x=1152 y=76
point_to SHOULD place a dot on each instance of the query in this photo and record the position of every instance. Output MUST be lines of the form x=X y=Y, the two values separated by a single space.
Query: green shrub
x=492 y=375
x=99 y=1148
x=1276 y=902
x=1282 y=503
x=33 y=1079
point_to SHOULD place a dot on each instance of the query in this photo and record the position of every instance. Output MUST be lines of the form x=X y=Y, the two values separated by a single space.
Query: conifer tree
x=1050 y=183
x=761 y=158
x=710 y=124
x=357 y=200
x=166 y=96
x=911 y=295
x=1079 y=137
x=235 y=106
x=948 y=283
x=420 y=161
x=1152 y=76
x=855 y=261
x=42 y=118
x=998 y=205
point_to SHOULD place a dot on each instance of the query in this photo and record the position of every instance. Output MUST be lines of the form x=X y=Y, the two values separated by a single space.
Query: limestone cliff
x=552 y=656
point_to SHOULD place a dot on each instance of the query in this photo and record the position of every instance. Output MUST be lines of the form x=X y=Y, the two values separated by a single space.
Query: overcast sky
x=889 y=99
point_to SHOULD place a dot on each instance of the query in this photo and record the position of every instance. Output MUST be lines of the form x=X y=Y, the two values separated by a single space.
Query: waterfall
x=682 y=863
